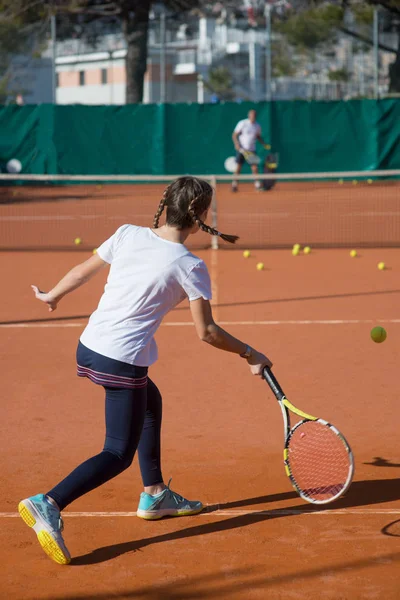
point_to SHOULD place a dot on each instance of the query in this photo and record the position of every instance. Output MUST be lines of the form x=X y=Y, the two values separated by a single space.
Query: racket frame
x=285 y=406
x=250 y=157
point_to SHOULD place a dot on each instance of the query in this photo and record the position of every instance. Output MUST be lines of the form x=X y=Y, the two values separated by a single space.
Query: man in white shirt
x=244 y=137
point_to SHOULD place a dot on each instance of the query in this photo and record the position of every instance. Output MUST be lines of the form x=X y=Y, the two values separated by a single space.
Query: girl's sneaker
x=166 y=504
x=45 y=519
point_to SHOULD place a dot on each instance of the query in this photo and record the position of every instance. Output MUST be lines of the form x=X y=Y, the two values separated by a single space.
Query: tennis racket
x=250 y=157
x=318 y=460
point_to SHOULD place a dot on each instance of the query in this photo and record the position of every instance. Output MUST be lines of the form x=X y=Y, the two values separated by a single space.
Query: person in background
x=245 y=135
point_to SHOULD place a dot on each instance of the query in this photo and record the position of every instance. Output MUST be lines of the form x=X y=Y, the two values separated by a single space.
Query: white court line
x=231 y=323
x=374 y=214
x=236 y=513
x=55 y=218
x=253 y=217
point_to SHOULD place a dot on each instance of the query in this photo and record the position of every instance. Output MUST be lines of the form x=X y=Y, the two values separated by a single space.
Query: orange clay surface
x=324 y=214
x=222 y=436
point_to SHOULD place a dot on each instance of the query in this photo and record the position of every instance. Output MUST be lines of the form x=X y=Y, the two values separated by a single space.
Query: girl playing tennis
x=151 y=272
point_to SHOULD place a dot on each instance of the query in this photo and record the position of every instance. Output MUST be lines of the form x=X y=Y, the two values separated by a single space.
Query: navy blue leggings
x=133 y=421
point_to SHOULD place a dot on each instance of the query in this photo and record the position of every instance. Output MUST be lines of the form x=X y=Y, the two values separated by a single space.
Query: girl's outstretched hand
x=45 y=297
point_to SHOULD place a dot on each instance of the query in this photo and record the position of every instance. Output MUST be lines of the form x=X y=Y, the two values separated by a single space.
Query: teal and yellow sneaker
x=166 y=504
x=45 y=519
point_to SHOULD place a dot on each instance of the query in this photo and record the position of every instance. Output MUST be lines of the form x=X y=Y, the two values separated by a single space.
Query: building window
x=81 y=77
x=104 y=76
x=57 y=80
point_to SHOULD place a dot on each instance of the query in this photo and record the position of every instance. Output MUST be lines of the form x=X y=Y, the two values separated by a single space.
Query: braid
x=160 y=208
x=206 y=228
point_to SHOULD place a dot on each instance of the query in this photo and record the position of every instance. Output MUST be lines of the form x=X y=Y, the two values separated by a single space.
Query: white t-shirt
x=248 y=133
x=148 y=277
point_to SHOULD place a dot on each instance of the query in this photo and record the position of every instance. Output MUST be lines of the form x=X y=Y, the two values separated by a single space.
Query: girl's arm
x=71 y=281
x=208 y=331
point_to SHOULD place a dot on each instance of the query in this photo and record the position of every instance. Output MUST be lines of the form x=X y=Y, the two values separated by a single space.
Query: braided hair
x=160 y=209
x=186 y=199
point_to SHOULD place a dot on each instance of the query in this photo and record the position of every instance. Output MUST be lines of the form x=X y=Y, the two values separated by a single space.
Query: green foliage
x=221 y=83
x=24 y=29
x=339 y=75
x=4 y=89
x=310 y=29
x=363 y=13
x=283 y=63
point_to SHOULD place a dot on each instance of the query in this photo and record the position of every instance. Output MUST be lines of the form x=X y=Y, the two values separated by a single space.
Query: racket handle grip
x=273 y=383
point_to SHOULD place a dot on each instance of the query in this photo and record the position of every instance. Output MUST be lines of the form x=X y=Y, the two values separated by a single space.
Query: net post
x=214 y=213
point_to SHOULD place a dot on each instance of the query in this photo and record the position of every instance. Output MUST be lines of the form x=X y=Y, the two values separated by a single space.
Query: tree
x=316 y=24
x=131 y=16
x=339 y=75
x=220 y=82
x=22 y=32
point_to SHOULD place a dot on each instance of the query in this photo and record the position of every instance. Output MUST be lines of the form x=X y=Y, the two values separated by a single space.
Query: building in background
x=90 y=75
x=99 y=78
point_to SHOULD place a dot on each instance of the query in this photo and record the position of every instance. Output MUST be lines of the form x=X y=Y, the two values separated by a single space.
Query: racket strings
x=318 y=461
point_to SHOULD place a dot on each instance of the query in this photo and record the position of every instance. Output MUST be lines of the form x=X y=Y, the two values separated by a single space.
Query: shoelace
x=177 y=498
x=60 y=524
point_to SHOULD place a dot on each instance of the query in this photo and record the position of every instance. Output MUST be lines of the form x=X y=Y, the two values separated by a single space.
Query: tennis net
x=360 y=209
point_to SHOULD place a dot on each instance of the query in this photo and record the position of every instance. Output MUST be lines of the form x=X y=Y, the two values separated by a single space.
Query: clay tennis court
x=222 y=431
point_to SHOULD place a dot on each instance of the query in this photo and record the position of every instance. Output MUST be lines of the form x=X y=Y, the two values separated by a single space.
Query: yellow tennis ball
x=353 y=253
x=378 y=334
x=307 y=250
x=260 y=266
x=295 y=251
x=77 y=241
x=381 y=266
x=355 y=181
x=340 y=182
x=369 y=181
x=94 y=250
x=296 y=246
x=246 y=253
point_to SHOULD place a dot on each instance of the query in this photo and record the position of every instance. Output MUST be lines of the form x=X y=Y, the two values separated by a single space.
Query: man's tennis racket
x=250 y=157
x=318 y=460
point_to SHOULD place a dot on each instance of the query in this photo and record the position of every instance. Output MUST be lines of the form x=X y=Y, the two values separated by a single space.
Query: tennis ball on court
x=296 y=246
x=378 y=334
x=246 y=253
x=369 y=181
x=355 y=181
x=77 y=241
x=295 y=251
x=260 y=266
x=381 y=266
x=353 y=253
x=307 y=250
x=94 y=250
x=340 y=182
